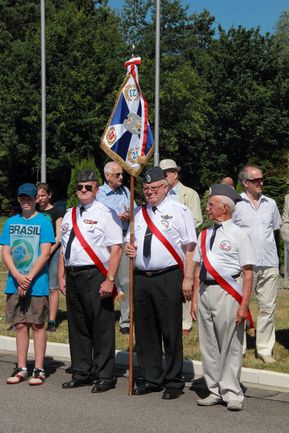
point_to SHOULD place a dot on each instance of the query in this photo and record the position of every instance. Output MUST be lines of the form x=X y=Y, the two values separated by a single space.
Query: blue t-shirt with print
x=24 y=237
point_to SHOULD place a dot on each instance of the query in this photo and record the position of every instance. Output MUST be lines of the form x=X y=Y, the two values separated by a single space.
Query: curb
x=262 y=378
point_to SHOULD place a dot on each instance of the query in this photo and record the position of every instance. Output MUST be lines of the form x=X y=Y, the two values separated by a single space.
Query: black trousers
x=158 y=320
x=90 y=325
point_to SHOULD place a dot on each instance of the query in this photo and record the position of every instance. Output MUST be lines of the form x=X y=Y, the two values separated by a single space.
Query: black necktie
x=203 y=271
x=148 y=238
x=71 y=238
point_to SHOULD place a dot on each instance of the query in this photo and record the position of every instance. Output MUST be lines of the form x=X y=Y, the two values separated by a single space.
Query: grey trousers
x=221 y=342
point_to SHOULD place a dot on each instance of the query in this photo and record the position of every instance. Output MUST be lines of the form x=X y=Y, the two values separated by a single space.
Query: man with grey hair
x=190 y=198
x=259 y=216
x=221 y=298
x=117 y=197
x=165 y=239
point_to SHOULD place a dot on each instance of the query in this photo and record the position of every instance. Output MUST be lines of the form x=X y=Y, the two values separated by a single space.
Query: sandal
x=38 y=377
x=18 y=375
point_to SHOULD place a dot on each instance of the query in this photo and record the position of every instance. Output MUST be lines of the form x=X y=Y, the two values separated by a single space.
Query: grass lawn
x=191 y=344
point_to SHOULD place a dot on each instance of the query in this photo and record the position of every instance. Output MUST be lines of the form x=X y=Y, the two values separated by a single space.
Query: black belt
x=215 y=283
x=80 y=268
x=154 y=273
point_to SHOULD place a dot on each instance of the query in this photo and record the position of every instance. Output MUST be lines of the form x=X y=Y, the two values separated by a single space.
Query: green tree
x=84 y=57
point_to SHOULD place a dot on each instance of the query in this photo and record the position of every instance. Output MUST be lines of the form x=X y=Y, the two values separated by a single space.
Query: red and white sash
x=170 y=245
x=96 y=260
x=226 y=281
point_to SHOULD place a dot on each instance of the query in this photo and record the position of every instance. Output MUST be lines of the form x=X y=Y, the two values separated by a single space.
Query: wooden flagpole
x=131 y=264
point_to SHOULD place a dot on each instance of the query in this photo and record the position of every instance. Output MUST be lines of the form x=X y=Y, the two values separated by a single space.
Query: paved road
x=49 y=409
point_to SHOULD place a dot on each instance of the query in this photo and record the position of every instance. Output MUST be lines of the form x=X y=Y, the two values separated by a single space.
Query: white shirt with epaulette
x=176 y=221
x=232 y=248
x=101 y=228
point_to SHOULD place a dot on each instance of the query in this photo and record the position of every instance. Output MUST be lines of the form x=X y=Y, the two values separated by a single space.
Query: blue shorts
x=53 y=269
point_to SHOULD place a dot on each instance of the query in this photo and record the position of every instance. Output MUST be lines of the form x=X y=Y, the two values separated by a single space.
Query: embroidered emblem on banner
x=130 y=92
x=133 y=123
x=110 y=136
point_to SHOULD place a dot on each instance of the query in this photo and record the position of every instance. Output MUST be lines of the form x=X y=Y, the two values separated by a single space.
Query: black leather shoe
x=124 y=331
x=147 y=388
x=76 y=383
x=171 y=393
x=103 y=385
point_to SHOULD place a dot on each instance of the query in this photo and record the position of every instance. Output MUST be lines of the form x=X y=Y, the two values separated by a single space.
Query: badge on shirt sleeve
x=225 y=245
x=64 y=227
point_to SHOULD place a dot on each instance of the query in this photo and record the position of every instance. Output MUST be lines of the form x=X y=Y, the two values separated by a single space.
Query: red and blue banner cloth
x=127 y=138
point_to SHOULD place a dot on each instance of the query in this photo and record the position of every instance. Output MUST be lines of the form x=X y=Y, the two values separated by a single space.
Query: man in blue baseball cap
x=26 y=240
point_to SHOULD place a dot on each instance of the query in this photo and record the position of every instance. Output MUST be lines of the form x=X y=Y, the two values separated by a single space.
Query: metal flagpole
x=43 y=93
x=157 y=85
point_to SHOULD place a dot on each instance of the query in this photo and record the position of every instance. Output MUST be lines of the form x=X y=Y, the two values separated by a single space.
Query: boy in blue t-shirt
x=26 y=241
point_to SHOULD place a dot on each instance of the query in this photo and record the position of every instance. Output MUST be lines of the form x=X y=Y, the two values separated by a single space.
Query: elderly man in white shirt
x=258 y=215
x=91 y=240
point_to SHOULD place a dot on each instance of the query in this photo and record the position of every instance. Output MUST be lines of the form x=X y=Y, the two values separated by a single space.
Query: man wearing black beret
x=223 y=276
x=165 y=239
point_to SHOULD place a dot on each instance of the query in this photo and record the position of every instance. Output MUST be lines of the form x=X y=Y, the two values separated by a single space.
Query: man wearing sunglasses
x=190 y=198
x=89 y=293
x=117 y=197
x=259 y=216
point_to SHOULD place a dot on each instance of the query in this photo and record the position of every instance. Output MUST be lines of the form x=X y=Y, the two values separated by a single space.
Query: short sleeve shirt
x=177 y=224
x=260 y=224
x=53 y=215
x=118 y=200
x=232 y=248
x=24 y=237
x=101 y=228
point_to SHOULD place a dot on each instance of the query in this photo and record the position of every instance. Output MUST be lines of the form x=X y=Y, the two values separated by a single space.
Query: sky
x=247 y=13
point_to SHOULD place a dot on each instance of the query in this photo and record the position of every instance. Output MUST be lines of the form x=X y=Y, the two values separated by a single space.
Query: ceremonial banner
x=127 y=138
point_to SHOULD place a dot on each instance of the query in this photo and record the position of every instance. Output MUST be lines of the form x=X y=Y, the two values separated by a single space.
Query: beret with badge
x=153 y=175
x=86 y=175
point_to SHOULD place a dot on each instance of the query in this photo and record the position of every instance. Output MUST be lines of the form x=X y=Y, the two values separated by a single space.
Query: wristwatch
x=110 y=278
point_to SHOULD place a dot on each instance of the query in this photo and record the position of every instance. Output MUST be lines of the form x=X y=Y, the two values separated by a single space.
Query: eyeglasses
x=86 y=187
x=169 y=171
x=152 y=188
x=256 y=180
x=117 y=175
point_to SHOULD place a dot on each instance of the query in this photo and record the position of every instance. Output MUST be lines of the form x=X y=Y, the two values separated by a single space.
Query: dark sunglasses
x=256 y=180
x=87 y=187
